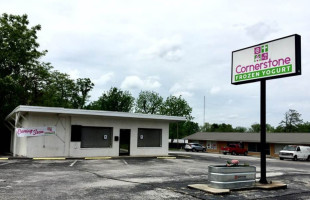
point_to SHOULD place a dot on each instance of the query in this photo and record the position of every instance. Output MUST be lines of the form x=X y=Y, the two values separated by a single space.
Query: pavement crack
x=150 y=185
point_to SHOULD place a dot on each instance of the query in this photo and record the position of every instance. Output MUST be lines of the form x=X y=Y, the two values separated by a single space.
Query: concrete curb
x=49 y=158
x=97 y=158
x=275 y=185
x=166 y=157
x=206 y=188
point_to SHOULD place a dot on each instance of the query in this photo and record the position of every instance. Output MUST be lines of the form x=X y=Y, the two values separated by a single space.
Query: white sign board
x=269 y=60
x=37 y=131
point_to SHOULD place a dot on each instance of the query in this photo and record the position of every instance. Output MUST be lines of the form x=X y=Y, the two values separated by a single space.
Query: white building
x=87 y=133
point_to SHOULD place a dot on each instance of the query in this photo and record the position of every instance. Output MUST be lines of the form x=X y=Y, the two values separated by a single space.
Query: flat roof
x=281 y=138
x=71 y=112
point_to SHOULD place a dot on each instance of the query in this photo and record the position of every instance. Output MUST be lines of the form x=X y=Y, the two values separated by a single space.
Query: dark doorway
x=124 y=142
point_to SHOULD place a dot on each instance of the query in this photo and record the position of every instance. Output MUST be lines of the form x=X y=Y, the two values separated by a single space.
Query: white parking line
x=4 y=164
x=124 y=161
x=73 y=163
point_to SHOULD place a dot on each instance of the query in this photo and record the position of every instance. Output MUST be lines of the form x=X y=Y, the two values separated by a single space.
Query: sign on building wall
x=37 y=131
x=269 y=60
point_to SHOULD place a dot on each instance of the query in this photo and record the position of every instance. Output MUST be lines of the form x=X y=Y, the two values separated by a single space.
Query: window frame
x=139 y=138
x=110 y=139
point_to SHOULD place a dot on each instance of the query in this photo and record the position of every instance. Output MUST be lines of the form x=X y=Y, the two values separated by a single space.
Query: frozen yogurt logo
x=261 y=53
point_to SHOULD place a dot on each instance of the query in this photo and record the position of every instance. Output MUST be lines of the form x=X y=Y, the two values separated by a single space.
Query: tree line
x=292 y=123
x=149 y=102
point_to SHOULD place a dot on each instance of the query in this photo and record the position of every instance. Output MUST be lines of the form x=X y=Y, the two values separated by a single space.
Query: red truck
x=234 y=149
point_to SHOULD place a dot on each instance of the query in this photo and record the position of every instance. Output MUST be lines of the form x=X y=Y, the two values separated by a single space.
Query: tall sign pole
x=263 y=178
x=269 y=60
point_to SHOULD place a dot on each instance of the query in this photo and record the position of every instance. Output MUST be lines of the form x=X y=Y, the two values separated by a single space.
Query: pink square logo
x=257 y=50
x=265 y=56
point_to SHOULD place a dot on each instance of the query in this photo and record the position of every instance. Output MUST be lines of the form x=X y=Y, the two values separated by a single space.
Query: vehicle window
x=298 y=149
x=231 y=145
x=290 y=148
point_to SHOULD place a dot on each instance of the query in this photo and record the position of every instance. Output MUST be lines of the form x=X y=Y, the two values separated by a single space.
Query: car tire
x=245 y=153
x=281 y=158
x=186 y=150
x=194 y=150
x=224 y=153
x=308 y=158
x=295 y=158
x=203 y=150
x=233 y=153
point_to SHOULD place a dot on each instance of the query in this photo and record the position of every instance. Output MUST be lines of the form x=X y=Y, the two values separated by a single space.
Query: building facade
x=87 y=133
x=214 y=141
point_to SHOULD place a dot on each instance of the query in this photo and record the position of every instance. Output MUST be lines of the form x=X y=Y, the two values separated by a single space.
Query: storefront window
x=211 y=145
x=149 y=137
x=255 y=147
x=96 y=137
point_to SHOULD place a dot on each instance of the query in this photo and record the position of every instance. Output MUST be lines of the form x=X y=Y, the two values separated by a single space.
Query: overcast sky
x=174 y=47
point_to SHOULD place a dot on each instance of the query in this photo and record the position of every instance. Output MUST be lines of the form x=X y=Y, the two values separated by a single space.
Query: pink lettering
x=287 y=60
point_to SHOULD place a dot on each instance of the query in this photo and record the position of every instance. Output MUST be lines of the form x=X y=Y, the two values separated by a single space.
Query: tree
x=60 y=91
x=113 y=100
x=187 y=128
x=19 y=57
x=225 y=128
x=240 y=129
x=21 y=72
x=148 y=102
x=81 y=95
x=25 y=80
x=255 y=128
x=176 y=106
x=291 y=121
x=304 y=127
x=206 y=127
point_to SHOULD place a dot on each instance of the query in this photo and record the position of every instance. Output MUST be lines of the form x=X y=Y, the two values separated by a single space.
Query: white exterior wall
x=60 y=144
x=21 y=142
x=117 y=124
x=52 y=145
x=21 y=146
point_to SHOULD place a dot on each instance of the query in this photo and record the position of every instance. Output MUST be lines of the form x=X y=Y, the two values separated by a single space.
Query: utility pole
x=204 y=110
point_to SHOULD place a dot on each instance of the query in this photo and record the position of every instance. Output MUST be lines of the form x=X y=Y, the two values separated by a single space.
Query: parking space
x=127 y=178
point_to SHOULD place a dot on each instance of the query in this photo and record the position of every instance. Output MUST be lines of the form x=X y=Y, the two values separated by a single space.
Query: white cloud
x=135 y=82
x=169 y=49
x=183 y=94
x=182 y=89
x=103 y=79
x=260 y=30
x=215 y=90
x=74 y=73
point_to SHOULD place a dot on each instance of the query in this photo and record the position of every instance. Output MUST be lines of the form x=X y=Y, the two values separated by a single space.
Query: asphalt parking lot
x=138 y=178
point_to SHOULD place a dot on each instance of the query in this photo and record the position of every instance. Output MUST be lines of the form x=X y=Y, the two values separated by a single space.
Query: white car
x=295 y=152
x=194 y=147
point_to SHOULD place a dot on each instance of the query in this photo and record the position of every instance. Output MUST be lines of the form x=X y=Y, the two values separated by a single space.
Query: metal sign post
x=263 y=179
